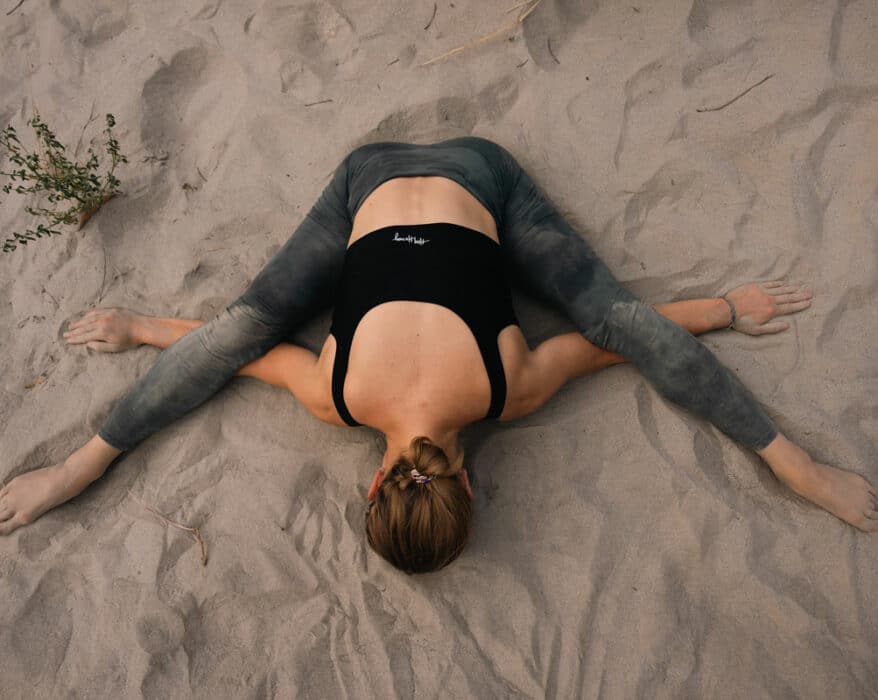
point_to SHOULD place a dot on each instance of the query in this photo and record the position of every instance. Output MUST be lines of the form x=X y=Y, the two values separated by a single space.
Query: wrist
x=143 y=330
x=722 y=313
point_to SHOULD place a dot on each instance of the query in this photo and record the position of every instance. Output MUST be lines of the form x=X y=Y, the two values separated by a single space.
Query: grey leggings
x=543 y=252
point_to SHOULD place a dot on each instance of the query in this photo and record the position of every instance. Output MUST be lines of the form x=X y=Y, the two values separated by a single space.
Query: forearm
x=697 y=315
x=162 y=332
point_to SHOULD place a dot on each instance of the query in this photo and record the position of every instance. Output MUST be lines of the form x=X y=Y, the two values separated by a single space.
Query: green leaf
x=58 y=178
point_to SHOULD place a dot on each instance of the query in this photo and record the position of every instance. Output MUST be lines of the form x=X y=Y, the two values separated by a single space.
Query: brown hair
x=420 y=527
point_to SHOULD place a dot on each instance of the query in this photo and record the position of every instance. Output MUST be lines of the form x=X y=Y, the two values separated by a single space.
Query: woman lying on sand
x=413 y=243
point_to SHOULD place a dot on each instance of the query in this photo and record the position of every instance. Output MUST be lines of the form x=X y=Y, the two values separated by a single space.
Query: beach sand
x=621 y=548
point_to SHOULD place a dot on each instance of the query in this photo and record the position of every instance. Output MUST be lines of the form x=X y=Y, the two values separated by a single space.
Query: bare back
x=410 y=358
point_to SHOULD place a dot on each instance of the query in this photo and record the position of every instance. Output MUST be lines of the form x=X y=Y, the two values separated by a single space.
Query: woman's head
x=420 y=510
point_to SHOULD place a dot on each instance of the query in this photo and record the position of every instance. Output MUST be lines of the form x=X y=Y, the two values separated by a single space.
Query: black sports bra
x=445 y=264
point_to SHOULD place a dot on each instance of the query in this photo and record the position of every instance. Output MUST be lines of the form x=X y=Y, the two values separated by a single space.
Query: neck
x=398 y=440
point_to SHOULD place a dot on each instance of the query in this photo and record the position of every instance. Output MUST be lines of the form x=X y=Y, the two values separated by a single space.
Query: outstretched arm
x=286 y=366
x=565 y=357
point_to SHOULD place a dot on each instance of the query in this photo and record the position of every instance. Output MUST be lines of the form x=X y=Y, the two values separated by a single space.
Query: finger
x=793 y=297
x=89 y=325
x=85 y=337
x=786 y=309
x=5 y=514
x=773 y=327
x=92 y=315
x=84 y=326
x=82 y=337
x=784 y=289
x=773 y=284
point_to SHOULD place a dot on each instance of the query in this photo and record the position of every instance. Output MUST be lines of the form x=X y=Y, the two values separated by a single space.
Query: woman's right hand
x=106 y=330
x=759 y=303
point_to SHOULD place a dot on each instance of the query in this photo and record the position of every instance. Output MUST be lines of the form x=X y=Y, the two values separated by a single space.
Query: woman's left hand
x=758 y=303
x=106 y=330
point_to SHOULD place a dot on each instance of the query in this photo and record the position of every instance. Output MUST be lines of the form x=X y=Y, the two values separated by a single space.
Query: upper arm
x=543 y=371
x=299 y=371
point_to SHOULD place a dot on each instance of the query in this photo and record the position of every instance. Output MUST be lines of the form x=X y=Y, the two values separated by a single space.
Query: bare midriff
x=409 y=201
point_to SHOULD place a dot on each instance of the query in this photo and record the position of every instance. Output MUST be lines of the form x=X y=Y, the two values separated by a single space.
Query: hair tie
x=420 y=478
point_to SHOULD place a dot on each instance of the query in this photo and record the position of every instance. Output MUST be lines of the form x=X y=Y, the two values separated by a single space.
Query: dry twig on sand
x=527 y=8
x=552 y=53
x=194 y=531
x=432 y=17
x=735 y=98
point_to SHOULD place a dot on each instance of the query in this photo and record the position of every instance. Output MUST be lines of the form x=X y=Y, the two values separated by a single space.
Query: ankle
x=803 y=478
x=791 y=464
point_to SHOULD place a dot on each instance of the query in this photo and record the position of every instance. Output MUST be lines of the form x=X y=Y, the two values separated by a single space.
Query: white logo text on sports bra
x=414 y=240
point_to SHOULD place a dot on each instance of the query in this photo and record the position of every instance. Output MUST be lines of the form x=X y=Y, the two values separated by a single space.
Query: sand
x=621 y=548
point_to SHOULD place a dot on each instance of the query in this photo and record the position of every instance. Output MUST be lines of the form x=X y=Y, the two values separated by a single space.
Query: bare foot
x=27 y=497
x=844 y=494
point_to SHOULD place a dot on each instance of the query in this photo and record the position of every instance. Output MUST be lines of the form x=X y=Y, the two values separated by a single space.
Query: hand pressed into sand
x=759 y=303
x=106 y=330
x=846 y=495
x=28 y=496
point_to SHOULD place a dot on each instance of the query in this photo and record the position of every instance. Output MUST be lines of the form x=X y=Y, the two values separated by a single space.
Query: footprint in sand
x=160 y=632
x=194 y=101
x=312 y=42
x=720 y=23
x=555 y=22
x=674 y=204
x=94 y=23
x=159 y=629
x=647 y=101
x=36 y=638
x=315 y=525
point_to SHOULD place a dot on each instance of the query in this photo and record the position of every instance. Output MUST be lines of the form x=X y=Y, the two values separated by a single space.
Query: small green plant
x=74 y=191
